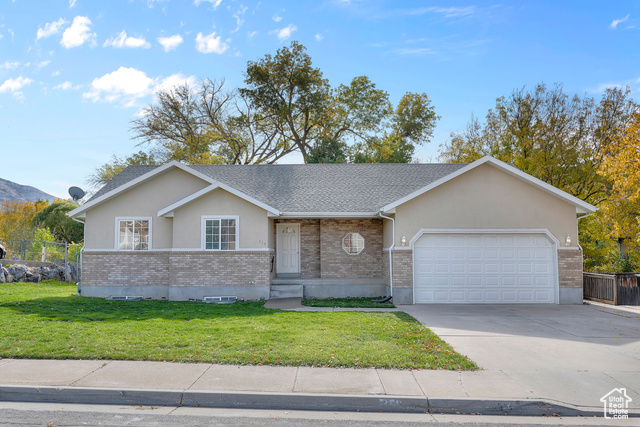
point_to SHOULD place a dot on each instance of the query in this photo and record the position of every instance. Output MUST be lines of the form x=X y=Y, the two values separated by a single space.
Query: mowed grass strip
x=46 y=321
x=347 y=303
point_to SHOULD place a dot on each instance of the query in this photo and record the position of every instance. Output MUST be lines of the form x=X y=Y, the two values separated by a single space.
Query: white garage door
x=484 y=268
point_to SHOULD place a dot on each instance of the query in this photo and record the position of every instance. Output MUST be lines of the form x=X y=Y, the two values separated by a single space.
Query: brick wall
x=570 y=268
x=220 y=268
x=402 y=269
x=336 y=263
x=177 y=268
x=125 y=269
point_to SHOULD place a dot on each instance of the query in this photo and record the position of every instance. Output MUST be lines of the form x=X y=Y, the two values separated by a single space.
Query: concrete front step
x=286 y=291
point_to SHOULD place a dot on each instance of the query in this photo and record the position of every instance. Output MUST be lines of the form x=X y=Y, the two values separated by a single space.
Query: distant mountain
x=21 y=193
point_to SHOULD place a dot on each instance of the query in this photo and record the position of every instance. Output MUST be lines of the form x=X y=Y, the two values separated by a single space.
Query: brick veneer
x=570 y=268
x=125 y=269
x=177 y=268
x=336 y=263
x=402 y=268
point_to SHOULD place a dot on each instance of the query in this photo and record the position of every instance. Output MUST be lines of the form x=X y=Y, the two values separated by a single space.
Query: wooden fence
x=616 y=289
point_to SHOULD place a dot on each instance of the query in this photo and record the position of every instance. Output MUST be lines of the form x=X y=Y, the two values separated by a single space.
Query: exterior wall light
x=567 y=240
x=403 y=240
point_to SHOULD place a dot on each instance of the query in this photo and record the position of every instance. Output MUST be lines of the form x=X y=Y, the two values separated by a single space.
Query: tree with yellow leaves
x=622 y=168
x=16 y=218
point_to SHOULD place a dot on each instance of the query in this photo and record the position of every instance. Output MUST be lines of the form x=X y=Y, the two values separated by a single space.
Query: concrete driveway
x=570 y=353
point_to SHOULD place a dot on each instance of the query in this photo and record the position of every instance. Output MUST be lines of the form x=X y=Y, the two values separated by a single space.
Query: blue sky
x=74 y=73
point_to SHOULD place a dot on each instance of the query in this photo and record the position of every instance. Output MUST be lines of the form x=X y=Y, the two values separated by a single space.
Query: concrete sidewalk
x=269 y=387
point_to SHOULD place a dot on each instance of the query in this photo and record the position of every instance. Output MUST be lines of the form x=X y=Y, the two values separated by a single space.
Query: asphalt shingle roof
x=315 y=187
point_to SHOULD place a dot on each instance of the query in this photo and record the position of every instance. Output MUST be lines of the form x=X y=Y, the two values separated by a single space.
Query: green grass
x=347 y=303
x=46 y=321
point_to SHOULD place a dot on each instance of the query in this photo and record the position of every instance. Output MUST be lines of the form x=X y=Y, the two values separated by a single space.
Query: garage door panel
x=484 y=268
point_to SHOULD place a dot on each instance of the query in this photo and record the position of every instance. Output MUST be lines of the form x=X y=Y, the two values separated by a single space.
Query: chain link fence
x=39 y=251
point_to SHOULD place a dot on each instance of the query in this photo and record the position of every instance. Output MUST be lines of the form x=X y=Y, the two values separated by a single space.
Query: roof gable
x=580 y=205
x=169 y=210
x=126 y=183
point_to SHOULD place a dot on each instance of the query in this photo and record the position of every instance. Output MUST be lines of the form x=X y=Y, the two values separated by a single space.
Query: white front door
x=288 y=248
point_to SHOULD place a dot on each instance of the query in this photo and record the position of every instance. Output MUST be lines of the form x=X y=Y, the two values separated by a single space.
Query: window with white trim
x=133 y=234
x=220 y=234
x=353 y=243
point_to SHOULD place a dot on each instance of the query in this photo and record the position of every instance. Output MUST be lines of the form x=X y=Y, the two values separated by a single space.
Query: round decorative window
x=353 y=243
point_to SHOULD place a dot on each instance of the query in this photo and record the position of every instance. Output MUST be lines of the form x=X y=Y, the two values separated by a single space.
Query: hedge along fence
x=616 y=289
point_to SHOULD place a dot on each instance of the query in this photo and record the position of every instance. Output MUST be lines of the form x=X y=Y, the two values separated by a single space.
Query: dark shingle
x=316 y=187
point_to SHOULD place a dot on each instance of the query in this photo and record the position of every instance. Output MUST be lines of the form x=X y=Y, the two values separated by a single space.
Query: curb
x=292 y=402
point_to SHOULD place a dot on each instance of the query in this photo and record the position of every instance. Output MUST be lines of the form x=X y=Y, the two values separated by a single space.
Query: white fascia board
x=168 y=211
x=581 y=206
x=329 y=215
x=137 y=181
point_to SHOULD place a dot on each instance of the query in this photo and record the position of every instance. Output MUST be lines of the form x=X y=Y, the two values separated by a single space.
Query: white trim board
x=580 y=205
x=168 y=212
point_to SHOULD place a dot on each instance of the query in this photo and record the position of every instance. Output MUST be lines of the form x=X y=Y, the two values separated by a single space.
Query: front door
x=288 y=248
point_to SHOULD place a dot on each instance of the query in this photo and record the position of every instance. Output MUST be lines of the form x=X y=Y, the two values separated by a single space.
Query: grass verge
x=46 y=321
x=347 y=303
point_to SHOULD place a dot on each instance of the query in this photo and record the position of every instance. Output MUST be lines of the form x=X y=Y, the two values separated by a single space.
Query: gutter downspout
x=393 y=244
x=81 y=251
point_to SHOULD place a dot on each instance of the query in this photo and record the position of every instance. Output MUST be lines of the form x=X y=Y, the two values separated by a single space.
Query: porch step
x=286 y=291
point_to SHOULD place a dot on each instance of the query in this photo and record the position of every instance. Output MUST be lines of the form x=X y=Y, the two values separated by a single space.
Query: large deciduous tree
x=286 y=106
x=557 y=138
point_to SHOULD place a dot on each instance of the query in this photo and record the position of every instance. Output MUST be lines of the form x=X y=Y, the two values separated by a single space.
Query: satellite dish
x=76 y=193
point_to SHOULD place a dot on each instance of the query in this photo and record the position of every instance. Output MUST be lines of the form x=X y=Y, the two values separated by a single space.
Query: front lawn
x=46 y=321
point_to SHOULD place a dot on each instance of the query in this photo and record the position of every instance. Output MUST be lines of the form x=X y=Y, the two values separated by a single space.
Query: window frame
x=363 y=244
x=133 y=218
x=203 y=229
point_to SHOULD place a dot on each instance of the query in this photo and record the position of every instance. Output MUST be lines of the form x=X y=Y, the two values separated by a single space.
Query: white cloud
x=168 y=83
x=124 y=84
x=251 y=34
x=319 y=37
x=43 y=63
x=238 y=15
x=448 y=12
x=128 y=85
x=215 y=3
x=72 y=3
x=170 y=43
x=615 y=22
x=210 y=43
x=284 y=33
x=277 y=18
x=14 y=86
x=67 y=86
x=414 y=51
x=50 y=29
x=78 y=33
x=10 y=65
x=122 y=40
x=55 y=73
